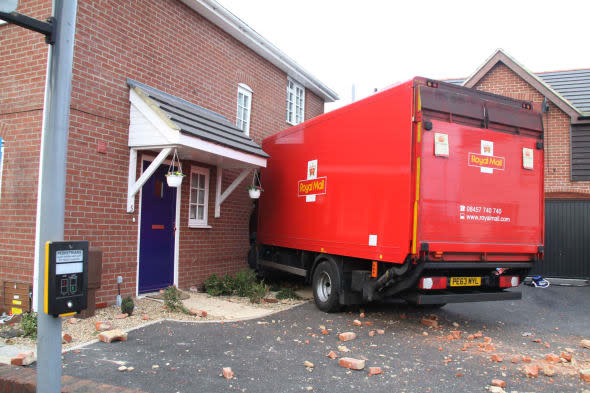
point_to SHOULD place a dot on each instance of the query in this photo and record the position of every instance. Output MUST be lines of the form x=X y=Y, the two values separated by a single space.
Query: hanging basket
x=174 y=180
x=174 y=175
x=256 y=188
x=254 y=193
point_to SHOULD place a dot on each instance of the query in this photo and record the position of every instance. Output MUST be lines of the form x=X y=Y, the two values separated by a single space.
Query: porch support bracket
x=219 y=196
x=134 y=186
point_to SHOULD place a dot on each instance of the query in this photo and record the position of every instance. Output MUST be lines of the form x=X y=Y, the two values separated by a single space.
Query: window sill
x=293 y=124
x=195 y=226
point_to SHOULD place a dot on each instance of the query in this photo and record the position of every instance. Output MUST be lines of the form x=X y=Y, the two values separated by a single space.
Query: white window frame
x=195 y=222
x=292 y=115
x=246 y=91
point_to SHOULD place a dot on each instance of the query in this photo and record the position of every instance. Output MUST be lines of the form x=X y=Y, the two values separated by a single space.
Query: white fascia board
x=213 y=148
x=228 y=22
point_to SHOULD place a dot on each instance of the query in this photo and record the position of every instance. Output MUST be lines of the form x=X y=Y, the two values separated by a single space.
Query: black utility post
x=59 y=30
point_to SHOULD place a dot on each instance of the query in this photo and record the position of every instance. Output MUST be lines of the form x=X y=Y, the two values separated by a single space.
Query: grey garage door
x=567 y=239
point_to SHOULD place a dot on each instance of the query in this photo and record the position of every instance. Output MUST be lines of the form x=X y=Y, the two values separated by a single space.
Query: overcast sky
x=374 y=43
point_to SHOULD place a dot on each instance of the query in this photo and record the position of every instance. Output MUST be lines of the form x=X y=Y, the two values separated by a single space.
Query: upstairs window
x=244 y=108
x=295 y=102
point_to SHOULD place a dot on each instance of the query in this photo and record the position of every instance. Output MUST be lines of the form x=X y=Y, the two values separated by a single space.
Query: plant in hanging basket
x=174 y=179
x=254 y=191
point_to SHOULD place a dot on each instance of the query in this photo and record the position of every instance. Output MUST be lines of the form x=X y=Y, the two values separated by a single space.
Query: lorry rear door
x=480 y=174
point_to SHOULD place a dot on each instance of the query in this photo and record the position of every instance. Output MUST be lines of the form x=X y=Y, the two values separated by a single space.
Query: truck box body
x=368 y=181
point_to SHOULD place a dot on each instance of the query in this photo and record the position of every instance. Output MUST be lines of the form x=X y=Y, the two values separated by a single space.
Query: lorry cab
x=427 y=192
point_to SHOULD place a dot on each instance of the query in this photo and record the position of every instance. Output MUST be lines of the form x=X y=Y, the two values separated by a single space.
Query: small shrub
x=213 y=285
x=29 y=325
x=287 y=293
x=228 y=285
x=259 y=291
x=172 y=299
x=127 y=305
x=243 y=282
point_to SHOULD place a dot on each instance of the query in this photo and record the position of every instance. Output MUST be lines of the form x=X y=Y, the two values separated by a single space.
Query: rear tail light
x=509 y=281
x=432 y=283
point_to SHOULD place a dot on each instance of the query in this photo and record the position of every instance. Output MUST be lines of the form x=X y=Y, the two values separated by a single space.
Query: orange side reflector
x=374 y=270
x=157 y=226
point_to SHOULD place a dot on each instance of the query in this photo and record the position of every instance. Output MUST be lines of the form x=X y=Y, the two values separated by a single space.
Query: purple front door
x=156 y=242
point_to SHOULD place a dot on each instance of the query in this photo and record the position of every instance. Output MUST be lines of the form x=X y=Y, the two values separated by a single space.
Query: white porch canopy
x=161 y=122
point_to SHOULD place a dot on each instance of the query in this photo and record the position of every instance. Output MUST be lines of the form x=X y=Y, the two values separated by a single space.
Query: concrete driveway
x=267 y=354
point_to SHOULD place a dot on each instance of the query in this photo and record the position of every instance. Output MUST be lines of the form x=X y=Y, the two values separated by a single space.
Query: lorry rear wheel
x=326 y=286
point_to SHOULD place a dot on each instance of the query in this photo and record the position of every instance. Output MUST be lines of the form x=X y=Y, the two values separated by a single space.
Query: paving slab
x=8 y=351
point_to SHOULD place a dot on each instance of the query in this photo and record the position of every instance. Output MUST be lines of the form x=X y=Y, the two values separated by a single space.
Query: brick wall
x=23 y=60
x=162 y=43
x=502 y=80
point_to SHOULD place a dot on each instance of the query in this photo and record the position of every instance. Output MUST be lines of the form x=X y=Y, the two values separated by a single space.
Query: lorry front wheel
x=326 y=286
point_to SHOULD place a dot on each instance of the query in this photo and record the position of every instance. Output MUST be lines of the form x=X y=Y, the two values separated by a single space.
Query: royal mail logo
x=312 y=186
x=482 y=161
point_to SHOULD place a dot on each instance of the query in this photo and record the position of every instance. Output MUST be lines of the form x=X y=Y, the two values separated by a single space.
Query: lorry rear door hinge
x=418 y=117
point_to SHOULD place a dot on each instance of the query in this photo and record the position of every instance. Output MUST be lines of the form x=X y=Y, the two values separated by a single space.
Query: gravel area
x=148 y=310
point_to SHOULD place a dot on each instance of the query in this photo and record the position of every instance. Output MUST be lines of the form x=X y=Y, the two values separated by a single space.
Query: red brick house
x=566 y=116
x=150 y=77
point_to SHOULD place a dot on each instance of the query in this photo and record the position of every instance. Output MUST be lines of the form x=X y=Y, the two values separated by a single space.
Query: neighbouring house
x=564 y=98
x=150 y=78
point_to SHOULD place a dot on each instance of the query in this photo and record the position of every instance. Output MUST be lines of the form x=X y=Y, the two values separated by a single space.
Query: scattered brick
x=102 y=326
x=145 y=317
x=478 y=335
x=499 y=383
x=66 y=338
x=347 y=336
x=403 y=316
x=471 y=337
x=429 y=322
x=351 y=363
x=537 y=340
x=375 y=371
x=121 y=316
x=362 y=315
x=531 y=371
x=516 y=359
x=585 y=374
x=585 y=344
x=109 y=336
x=549 y=370
x=368 y=323
x=566 y=356
x=198 y=313
x=456 y=334
x=73 y=320
x=496 y=358
x=270 y=300
x=23 y=359
x=325 y=332
x=227 y=373
x=356 y=322
x=380 y=331
x=526 y=359
x=371 y=333
x=332 y=355
x=487 y=340
x=552 y=357
x=308 y=364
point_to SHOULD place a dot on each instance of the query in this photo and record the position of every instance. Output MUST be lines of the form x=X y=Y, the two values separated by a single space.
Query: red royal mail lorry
x=427 y=192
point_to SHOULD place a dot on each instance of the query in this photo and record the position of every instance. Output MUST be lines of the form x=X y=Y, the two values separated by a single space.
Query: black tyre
x=326 y=286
